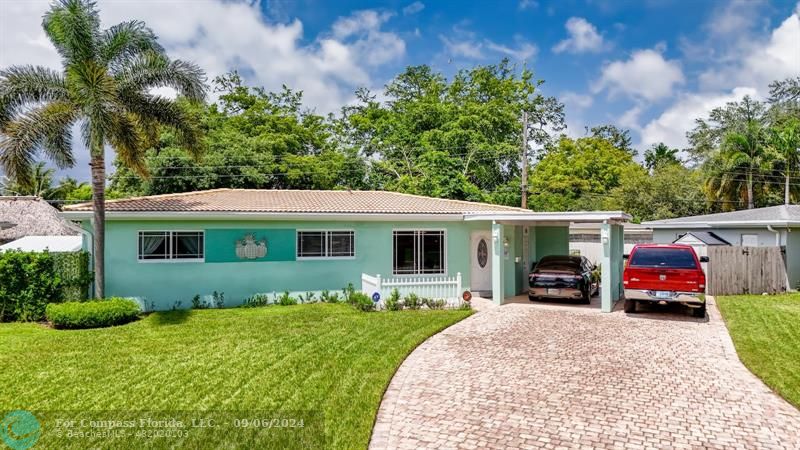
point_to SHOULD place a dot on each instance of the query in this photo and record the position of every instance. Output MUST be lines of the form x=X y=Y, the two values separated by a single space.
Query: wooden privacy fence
x=745 y=270
x=447 y=288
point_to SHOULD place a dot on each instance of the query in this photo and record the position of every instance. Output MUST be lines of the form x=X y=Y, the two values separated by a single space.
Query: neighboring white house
x=42 y=243
x=584 y=239
x=760 y=227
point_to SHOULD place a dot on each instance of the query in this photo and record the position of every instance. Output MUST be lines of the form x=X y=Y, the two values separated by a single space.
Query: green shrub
x=393 y=302
x=286 y=300
x=308 y=298
x=348 y=292
x=362 y=302
x=435 y=303
x=219 y=299
x=93 y=314
x=412 y=301
x=31 y=280
x=256 y=300
x=329 y=297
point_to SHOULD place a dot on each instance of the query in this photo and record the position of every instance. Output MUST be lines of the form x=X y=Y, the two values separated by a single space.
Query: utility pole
x=524 y=183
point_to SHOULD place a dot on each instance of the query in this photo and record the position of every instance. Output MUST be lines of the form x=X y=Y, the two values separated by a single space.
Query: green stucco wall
x=221 y=244
x=552 y=241
x=164 y=284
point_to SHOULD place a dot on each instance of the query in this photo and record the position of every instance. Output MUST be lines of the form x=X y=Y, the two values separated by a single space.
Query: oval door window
x=483 y=253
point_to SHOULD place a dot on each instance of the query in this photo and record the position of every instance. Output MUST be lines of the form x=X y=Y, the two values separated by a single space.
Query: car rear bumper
x=675 y=297
x=555 y=292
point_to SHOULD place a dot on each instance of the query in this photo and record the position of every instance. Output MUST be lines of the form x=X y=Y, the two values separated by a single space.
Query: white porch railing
x=447 y=288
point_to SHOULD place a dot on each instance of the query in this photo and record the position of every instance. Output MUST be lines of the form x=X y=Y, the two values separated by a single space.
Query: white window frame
x=418 y=251
x=748 y=236
x=325 y=244
x=169 y=259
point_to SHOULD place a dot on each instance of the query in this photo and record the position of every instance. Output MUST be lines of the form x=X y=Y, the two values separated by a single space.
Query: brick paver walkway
x=524 y=376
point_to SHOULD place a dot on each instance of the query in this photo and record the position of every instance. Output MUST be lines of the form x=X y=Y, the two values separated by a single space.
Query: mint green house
x=166 y=249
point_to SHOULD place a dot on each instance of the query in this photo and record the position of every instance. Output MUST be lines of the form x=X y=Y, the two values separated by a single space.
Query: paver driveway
x=523 y=376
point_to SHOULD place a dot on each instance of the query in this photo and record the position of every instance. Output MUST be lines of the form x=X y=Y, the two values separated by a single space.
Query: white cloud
x=576 y=100
x=583 y=37
x=221 y=35
x=671 y=126
x=747 y=69
x=758 y=62
x=523 y=52
x=630 y=118
x=462 y=43
x=646 y=75
x=528 y=4
x=413 y=8
x=734 y=18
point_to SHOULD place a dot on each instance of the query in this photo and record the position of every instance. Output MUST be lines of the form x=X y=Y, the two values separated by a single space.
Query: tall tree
x=468 y=125
x=660 y=155
x=784 y=139
x=105 y=86
x=618 y=137
x=37 y=181
x=742 y=156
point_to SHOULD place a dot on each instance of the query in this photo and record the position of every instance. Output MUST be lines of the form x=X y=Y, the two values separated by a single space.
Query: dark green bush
x=31 y=280
x=256 y=301
x=393 y=302
x=361 y=301
x=412 y=301
x=286 y=299
x=435 y=303
x=93 y=314
x=329 y=297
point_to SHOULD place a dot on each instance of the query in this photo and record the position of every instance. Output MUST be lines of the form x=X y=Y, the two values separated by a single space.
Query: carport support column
x=606 y=238
x=498 y=263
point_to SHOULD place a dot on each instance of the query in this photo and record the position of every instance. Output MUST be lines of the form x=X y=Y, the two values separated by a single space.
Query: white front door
x=481 y=273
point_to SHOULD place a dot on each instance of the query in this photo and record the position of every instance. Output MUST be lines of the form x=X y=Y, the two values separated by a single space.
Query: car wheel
x=531 y=298
x=700 y=312
x=630 y=306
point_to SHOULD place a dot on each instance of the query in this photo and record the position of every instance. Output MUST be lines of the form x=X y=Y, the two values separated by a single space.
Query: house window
x=171 y=245
x=326 y=244
x=419 y=252
x=749 y=240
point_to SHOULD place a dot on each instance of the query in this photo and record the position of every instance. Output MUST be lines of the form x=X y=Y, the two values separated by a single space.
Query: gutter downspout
x=89 y=237
x=777 y=235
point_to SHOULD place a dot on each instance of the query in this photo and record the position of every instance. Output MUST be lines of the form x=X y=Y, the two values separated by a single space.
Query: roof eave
x=725 y=224
x=241 y=215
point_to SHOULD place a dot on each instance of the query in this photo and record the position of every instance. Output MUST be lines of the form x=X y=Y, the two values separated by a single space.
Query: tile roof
x=296 y=201
x=775 y=214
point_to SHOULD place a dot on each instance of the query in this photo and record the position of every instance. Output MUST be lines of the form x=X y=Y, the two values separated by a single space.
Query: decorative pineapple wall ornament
x=249 y=248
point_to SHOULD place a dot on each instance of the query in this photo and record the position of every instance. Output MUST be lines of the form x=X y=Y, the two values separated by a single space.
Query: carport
x=520 y=239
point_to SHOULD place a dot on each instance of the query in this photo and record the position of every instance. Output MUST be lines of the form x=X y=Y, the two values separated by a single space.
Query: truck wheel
x=700 y=312
x=630 y=306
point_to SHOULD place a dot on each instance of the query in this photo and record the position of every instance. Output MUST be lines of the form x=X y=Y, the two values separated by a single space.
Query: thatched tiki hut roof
x=30 y=216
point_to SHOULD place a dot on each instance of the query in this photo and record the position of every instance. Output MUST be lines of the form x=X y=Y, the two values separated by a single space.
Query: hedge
x=93 y=314
x=31 y=280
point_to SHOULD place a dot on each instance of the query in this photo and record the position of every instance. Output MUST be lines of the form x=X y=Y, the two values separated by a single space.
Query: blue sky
x=649 y=66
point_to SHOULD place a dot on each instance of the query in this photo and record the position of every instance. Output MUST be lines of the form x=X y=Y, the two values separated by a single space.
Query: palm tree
x=742 y=155
x=105 y=87
x=785 y=141
x=659 y=155
x=38 y=182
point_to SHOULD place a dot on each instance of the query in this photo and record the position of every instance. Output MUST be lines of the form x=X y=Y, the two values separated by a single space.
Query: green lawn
x=324 y=364
x=766 y=332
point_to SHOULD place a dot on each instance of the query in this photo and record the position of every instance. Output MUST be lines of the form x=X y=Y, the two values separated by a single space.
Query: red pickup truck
x=659 y=273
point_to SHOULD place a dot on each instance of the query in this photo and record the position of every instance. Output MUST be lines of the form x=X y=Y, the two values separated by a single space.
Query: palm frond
x=23 y=85
x=73 y=28
x=45 y=128
x=125 y=40
x=167 y=113
x=150 y=70
x=126 y=138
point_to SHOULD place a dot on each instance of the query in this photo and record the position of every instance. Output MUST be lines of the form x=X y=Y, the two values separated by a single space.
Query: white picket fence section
x=447 y=288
